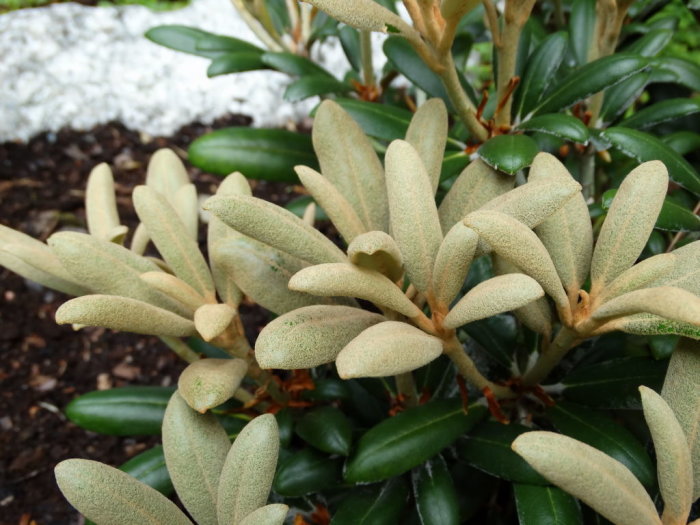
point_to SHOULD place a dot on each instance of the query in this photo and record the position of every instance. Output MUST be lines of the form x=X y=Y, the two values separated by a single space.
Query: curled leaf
x=211 y=320
x=377 y=250
x=598 y=480
x=337 y=279
x=386 y=349
x=100 y=203
x=494 y=296
x=427 y=133
x=338 y=209
x=123 y=313
x=310 y=336
x=452 y=262
x=207 y=383
x=250 y=466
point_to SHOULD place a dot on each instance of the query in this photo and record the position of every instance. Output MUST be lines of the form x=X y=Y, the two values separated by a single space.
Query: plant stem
x=407 y=387
x=565 y=340
x=181 y=349
x=465 y=108
x=467 y=369
x=256 y=27
x=588 y=174
x=366 y=56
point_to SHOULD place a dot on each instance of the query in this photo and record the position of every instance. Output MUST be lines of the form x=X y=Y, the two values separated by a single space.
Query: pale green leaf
x=629 y=223
x=195 y=447
x=338 y=209
x=347 y=280
x=187 y=207
x=601 y=482
x=476 y=185
x=211 y=320
x=413 y=216
x=671 y=303
x=100 y=203
x=681 y=391
x=274 y=226
x=107 y=495
x=567 y=233
x=377 y=250
x=494 y=296
x=272 y=514
x=249 y=469
x=363 y=14
x=310 y=336
x=169 y=234
x=175 y=288
x=387 y=349
x=427 y=133
x=123 y=313
x=207 y=383
x=452 y=263
x=348 y=160
x=639 y=275
x=686 y=271
x=673 y=461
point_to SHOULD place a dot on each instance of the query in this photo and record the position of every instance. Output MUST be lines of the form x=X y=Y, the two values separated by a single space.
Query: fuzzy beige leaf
x=427 y=133
x=175 y=288
x=275 y=227
x=195 y=448
x=35 y=261
x=639 y=275
x=567 y=233
x=249 y=469
x=648 y=324
x=518 y=244
x=310 y=336
x=207 y=383
x=595 y=478
x=263 y=274
x=348 y=160
x=309 y=216
x=494 y=296
x=346 y=280
x=475 y=186
x=117 y=234
x=665 y=301
x=681 y=391
x=338 y=209
x=211 y=320
x=673 y=461
x=100 y=202
x=187 y=207
x=168 y=233
x=413 y=216
x=123 y=313
x=272 y=514
x=166 y=174
x=452 y=263
x=629 y=223
x=366 y=15
x=686 y=271
x=110 y=269
x=377 y=250
x=387 y=349
x=107 y=495
x=140 y=240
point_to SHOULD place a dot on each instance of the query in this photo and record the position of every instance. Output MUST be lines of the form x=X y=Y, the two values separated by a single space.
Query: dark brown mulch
x=42 y=365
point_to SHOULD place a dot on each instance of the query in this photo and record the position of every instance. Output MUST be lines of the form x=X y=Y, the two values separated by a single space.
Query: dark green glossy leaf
x=453 y=163
x=149 y=467
x=475 y=488
x=673 y=217
x=378 y=120
x=621 y=96
x=679 y=70
x=293 y=64
x=406 y=440
x=643 y=147
x=181 y=38
x=364 y=403
x=661 y=112
x=202 y=347
x=127 y=411
x=350 y=41
x=509 y=153
x=269 y=154
x=327 y=429
x=615 y=383
x=285 y=425
x=590 y=79
x=538 y=505
x=559 y=125
x=235 y=63
x=682 y=142
x=487 y=447
x=435 y=494
x=305 y=472
x=328 y=390
x=602 y=432
x=541 y=67
x=226 y=44
x=312 y=85
x=497 y=337
x=374 y=505
x=650 y=44
x=581 y=26
x=662 y=346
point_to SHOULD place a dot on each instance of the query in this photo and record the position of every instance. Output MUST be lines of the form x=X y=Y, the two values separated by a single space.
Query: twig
x=366 y=56
x=452 y=348
x=565 y=340
x=679 y=235
x=465 y=108
x=406 y=386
